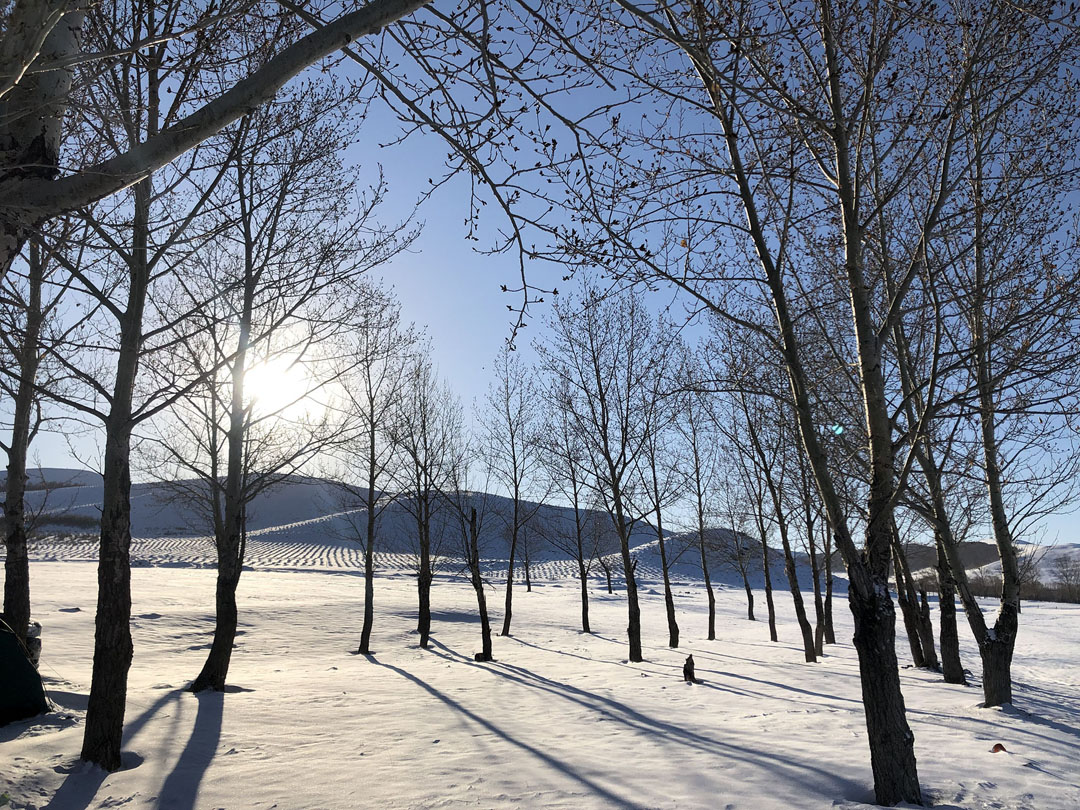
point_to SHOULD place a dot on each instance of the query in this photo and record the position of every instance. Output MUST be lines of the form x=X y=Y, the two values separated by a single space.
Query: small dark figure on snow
x=688 y=670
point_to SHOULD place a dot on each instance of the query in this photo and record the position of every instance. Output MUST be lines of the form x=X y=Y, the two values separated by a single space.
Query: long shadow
x=709 y=684
x=83 y=779
x=807 y=692
x=1044 y=700
x=1030 y=723
x=181 y=788
x=638 y=721
x=672 y=670
x=135 y=726
x=557 y=764
x=79 y=788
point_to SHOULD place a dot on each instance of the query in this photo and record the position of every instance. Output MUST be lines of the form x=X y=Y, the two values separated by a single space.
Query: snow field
x=560 y=720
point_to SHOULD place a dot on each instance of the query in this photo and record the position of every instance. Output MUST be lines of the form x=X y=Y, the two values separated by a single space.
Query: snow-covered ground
x=560 y=720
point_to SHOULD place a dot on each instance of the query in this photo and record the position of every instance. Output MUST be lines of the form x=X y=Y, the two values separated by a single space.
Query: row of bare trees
x=874 y=197
x=878 y=195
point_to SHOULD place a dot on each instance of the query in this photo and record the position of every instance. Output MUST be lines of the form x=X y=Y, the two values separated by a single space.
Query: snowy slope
x=560 y=720
x=307 y=523
x=1044 y=558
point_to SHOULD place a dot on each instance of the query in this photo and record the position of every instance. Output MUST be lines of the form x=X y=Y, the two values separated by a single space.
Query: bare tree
x=28 y=329
x=601 y=350
x=281 y=273
x=127 y=270
x=510 y=422
x=426 y=432
x=729 y=512
x=379 y=350
x=704 y=449
x=563 y=454
x=470 y=508
x=660 y=462
x=1066 y=571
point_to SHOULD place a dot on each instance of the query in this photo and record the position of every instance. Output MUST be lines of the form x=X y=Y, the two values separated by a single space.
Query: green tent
x=21 y=692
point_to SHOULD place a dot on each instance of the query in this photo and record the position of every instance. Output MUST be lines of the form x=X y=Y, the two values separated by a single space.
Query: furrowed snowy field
x=559 y=720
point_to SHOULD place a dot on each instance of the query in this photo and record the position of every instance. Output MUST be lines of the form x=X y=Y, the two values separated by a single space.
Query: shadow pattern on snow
x=620 y=712
x=599 y=790
x=181 y=787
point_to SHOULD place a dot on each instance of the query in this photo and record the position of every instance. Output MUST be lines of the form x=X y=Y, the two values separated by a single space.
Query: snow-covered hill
x=1043 y=560
x=309 y=523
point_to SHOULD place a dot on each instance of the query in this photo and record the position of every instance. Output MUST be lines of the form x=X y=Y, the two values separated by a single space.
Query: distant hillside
x=50 y=478
x=310 y=523
x=974 y=553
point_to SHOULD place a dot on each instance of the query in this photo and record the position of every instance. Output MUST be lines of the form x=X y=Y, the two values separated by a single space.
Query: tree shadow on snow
x=1041 y=704
x=612 y=709
x=181 y=788
x=83 y=780
x=674 y=670
x=79 y=788
x=598 y=790
x=136 y=725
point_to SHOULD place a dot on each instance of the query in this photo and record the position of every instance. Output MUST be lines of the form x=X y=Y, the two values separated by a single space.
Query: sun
x=281 y=386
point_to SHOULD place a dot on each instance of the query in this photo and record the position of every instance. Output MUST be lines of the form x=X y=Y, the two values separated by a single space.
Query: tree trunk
x=669 y=598
x=951 y=665
x=633 y=627
x=369 y=598
x=508 y=611
x=112 y=625
x=926 y=633
x=796 y=594
x=528 y=568
x=485 y=625
x=423 y=624
x=768 y=579
x=216 y=667
x=749 y=598
x=423 y=584
x=708 y=583
x=478 y=586
x=17 y=562
x=607 y=574
x=369 y=548
x=699 y=491
x=232 y=534
x=996 y=651
x=819 y=607
x=892 y=756
x=920 y=619
x=907 y=610
x=584 y=576
x=830 y=632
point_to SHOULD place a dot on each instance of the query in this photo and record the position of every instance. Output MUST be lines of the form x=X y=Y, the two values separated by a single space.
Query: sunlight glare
x=280 y=386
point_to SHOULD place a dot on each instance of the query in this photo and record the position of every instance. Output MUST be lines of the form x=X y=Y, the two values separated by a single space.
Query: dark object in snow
x=998 y=748
x=23 y=694
x=688 y=670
